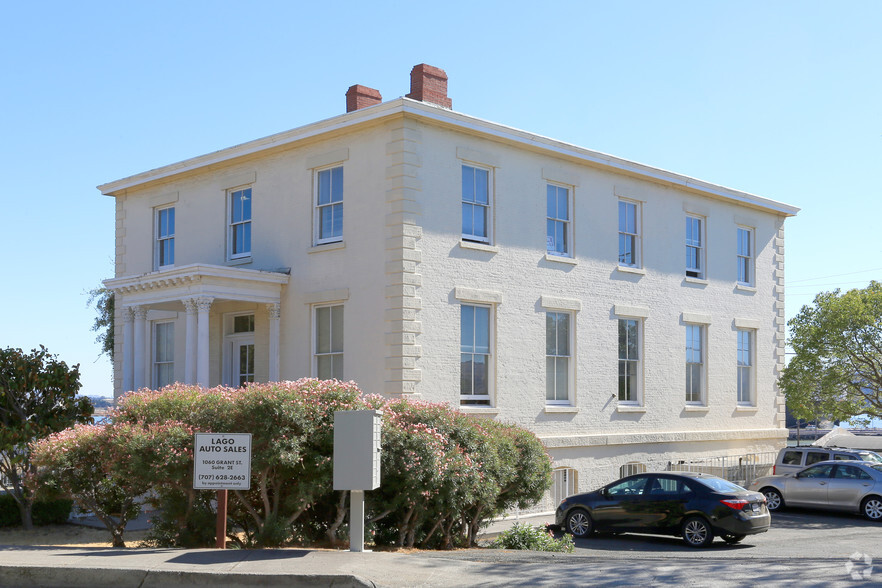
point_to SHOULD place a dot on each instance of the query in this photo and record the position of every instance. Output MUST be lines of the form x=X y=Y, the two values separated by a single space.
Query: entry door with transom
x=239 y=350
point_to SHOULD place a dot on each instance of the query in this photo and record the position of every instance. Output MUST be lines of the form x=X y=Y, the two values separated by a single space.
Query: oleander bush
x=443 y=475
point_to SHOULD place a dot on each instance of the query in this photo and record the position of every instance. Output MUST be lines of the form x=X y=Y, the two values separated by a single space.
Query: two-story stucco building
x=621 y=312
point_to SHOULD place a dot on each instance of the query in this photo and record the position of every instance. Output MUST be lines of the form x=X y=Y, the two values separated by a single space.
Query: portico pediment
x=199 y=280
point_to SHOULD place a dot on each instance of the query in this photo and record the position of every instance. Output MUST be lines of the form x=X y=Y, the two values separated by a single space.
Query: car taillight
x=735 y=503
x=774 y=467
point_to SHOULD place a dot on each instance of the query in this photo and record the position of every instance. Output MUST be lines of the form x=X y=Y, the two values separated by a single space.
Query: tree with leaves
x=836 y=372
x=38 y=397
x=103 y=300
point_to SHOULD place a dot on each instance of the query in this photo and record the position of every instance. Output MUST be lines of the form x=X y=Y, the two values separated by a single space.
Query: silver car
x=854 y=486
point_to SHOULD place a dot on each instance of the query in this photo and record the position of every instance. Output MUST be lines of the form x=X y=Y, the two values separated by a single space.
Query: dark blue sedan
x=696 y=507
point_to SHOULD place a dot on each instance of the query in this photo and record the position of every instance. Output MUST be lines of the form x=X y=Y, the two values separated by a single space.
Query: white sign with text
x=222 y=461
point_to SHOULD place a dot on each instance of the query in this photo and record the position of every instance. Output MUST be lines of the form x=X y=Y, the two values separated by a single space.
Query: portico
x=194 y=290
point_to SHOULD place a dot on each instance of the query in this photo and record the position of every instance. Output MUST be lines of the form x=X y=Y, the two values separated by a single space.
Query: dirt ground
x=65 y=535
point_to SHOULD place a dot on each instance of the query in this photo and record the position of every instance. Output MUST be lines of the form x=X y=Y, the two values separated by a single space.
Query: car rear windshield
x=720 y=485
x=871 y=456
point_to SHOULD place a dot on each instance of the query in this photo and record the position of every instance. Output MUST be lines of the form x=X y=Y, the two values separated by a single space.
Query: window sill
x=561 y=408
x=696 y=281
x=239 y=261
x=560 y=259
x=630 y=408
x=479 y=246
x=745 y=288
x=746 y=408
x=696 y=408
x=627 y=269
x=485 y=410
x=327 y=247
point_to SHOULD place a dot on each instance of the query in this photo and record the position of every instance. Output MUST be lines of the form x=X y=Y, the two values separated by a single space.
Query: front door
x=243 y=362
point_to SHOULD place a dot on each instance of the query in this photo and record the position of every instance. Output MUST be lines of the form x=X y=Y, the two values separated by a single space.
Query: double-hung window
x=629 y=234
x=745 y=256
x=695 y=247
x=165 y=237
x=745 y=367
x=329 y=205
x=476 y=217
x=630 y=367
x=475 y=354
x=239 y=227
x=695 y=378
x=558 y=358
x=558 y=221
x=328 y=353
x=163 y=354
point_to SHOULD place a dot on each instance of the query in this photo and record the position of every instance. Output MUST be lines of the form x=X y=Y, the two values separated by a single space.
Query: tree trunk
x=25 y=508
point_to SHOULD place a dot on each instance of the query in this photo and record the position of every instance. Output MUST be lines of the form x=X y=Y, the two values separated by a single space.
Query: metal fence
x=740 y=469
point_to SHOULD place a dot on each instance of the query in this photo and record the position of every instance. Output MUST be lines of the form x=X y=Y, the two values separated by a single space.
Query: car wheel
x=871 y=507
x=697 y=532
x=579 y=523
x=733 y=539
x=774 y=500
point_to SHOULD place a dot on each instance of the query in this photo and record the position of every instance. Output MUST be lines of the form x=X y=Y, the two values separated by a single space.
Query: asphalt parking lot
x=802 y=548
x=795 y=533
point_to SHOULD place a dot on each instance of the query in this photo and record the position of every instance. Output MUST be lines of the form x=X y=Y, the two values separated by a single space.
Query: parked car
x=793 y=459
x=854 y=486
x=697 y=507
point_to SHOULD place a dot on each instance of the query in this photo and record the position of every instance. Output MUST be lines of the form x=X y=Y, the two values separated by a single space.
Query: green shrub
x=45 y=512
x=524 y=536
x=51 y=512
x=9 y=514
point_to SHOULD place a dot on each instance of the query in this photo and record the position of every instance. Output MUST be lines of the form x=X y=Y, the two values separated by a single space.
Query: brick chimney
x=429 y=84
x=358 y=97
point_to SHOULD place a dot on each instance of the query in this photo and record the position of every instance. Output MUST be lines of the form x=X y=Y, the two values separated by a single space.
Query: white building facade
x=621 y=312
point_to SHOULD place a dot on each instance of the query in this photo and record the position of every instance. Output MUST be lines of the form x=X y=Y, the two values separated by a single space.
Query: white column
x=274 y=314
x=203 y=305
x=128 y=349
x=139 y=355
x=190 y=344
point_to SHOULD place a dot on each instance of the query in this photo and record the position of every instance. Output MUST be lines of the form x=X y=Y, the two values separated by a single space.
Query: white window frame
x=553 y=218
x=637 y=377
x=744 y=365
x=487 y=238
x=335 y=355
x=332 y=205
x=745 y=258
x=158 y=363
x=478 y=399
x=234 y=225
x=162 y=238
x=624 y=233
x=691 y=356
x=565 y=482
x=696 y=248
x=556 y=356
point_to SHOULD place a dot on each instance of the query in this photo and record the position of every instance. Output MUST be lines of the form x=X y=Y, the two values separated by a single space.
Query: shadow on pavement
x=233 y=555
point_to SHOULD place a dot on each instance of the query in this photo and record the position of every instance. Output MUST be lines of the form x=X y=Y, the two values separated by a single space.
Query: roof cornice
x=447 y=117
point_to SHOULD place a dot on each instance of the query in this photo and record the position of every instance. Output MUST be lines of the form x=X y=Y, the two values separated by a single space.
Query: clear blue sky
x=780 y=99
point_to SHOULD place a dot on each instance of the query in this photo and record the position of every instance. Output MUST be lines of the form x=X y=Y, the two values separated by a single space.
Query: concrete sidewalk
x=90 y=567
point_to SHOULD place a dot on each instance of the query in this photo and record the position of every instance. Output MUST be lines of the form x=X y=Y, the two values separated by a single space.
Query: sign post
x=222 y=461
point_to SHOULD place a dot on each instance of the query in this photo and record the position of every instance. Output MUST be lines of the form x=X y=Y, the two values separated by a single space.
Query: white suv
x=793 y=459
